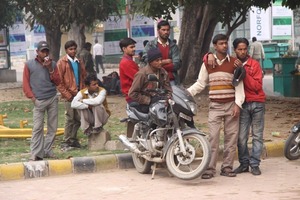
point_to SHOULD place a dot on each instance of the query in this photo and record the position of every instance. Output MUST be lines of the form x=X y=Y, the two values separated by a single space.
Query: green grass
x=18 y=150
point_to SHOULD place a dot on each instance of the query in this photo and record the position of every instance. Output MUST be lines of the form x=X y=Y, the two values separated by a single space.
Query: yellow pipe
x=1 y=119
x=3 y=127
x=22 y=133
x=23 y=123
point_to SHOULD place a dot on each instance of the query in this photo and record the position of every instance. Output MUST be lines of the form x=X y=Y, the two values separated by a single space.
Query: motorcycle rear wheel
x=292 y=146
x=196 y=161
x=142 y=165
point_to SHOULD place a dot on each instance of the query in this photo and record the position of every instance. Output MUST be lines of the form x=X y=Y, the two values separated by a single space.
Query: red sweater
x=127 y=69
x=165 y=55
x=253 y=82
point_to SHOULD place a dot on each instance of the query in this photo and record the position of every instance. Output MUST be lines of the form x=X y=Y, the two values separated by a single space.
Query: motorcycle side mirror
x=152 y=77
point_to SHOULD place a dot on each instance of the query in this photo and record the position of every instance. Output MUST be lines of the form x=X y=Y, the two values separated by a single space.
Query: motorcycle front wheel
x=292 y=146
x=196 y=160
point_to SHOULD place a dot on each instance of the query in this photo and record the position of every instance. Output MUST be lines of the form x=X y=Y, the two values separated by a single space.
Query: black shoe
x=255 y=171
x=97 y=130
x=207 y=176
x=88 y=131
x=75 y=144
x=241 y=169
x=35 y=158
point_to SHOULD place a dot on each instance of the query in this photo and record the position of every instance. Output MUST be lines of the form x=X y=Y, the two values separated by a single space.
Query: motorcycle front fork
x=181 y=142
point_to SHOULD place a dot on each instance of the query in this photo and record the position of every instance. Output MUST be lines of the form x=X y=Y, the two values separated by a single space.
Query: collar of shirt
x=221 y=61
x=37 y=59
x=92 y=95
x=72 y=60
x=163 y=44
x=127 y=57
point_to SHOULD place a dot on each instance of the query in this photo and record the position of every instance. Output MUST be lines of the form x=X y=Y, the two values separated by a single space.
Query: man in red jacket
x=252 y=114
x=127 y=68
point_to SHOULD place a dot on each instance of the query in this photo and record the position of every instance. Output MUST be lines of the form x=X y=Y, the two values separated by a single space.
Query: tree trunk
x=76 y=33
x=53 y=37
x=198 y=24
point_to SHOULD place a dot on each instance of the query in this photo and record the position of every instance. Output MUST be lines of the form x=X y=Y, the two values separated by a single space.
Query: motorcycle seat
x=141 y=116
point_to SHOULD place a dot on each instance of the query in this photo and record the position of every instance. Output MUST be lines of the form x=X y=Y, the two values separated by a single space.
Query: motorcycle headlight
x=193 y=107
x=295 y=129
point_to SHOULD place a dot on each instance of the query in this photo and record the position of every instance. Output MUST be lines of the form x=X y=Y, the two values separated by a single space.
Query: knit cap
x=153 y=54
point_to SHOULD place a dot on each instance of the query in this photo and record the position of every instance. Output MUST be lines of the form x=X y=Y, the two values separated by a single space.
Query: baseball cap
x=42 y=45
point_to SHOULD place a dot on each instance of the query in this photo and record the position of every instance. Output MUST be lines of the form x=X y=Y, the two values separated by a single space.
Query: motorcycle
x=292 y=144
x=167 y=135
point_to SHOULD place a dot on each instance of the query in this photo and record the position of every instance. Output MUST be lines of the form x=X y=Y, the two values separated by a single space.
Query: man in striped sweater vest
x=225 y=103
x=92 y=106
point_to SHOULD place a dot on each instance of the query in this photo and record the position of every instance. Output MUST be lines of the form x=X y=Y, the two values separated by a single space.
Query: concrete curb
x=45 y=168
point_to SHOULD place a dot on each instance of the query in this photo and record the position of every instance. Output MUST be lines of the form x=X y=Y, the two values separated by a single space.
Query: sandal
x=206 y=176
x=228 y=172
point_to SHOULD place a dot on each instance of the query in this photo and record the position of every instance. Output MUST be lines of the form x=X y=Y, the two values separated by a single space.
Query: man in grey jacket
x=169 y=50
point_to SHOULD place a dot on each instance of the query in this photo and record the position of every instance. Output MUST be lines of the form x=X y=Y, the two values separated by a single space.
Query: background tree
x=199 y=20
x=59 y=15
x=8 y=13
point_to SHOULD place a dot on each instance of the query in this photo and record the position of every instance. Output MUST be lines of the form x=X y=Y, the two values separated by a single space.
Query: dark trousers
x=99 y=61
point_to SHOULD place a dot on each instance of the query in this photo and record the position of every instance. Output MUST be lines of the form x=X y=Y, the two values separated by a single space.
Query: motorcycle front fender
x=296 y=128
x=185 y=131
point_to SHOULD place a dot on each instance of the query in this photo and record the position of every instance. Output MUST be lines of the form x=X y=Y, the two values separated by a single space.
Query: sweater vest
x=220 y=82
x=86 y=96
x=40 y=82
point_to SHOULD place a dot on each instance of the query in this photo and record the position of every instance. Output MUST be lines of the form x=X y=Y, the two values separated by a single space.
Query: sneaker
x=255 y=171
x=241 y=169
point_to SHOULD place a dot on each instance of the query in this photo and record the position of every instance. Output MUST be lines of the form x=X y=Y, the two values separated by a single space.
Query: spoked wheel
x=194 y=163
x=142 y=165
x=292 y=147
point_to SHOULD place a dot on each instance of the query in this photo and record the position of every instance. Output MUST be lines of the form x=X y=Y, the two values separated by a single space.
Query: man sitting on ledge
x=92 y=106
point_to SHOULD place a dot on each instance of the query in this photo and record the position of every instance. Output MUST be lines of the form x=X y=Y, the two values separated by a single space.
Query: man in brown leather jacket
x=72 y=74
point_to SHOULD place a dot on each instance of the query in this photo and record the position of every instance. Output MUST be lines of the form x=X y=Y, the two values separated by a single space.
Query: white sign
x=260 y=23
x=282 y=22
x=115 y=23
x=17 y=39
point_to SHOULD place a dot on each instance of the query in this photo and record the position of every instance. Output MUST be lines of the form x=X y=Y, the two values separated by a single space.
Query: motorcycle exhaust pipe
x=131 y=146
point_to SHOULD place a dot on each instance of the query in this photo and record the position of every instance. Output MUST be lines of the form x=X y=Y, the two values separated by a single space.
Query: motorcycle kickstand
x=153 y=170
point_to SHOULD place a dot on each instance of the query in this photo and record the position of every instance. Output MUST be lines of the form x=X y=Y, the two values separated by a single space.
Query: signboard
x=17 y=39
x=260 y=23
x=115 y=30
x=142 y=28
x=39 y=34
x=281 y=21
x=3 y=38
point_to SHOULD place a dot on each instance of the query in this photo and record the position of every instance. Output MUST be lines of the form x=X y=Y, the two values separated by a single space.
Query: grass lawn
x=18 y=150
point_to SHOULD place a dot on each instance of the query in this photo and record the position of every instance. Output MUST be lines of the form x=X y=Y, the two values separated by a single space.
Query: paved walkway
x=279 y=181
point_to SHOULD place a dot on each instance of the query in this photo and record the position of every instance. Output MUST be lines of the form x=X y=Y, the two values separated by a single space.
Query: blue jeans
x=252 y=115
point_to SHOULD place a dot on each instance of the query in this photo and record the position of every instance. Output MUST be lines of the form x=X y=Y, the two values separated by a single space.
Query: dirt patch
x=281 y=114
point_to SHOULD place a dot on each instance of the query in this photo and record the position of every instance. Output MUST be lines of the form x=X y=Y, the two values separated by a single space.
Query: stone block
x=96 y=141
x=8 y=75
x=114 y=145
